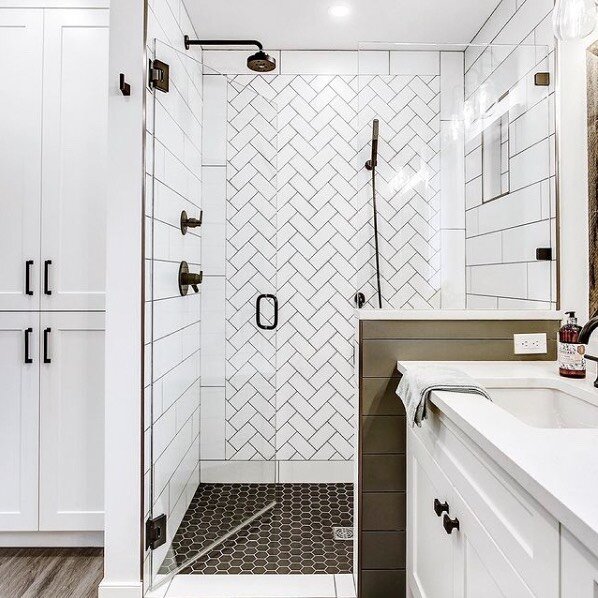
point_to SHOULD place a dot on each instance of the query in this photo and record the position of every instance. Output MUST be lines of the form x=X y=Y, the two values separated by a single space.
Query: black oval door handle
x=258 y=312
x=450 y=524
x=440 y=507
x=28 y=265
x=47 y=265
x=27 y=339
x=46 y=342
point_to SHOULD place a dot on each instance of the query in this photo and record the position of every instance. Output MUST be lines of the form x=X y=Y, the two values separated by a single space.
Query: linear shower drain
x=342 y=533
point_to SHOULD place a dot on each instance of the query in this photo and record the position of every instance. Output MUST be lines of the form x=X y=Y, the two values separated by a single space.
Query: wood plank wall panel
x=382 y=431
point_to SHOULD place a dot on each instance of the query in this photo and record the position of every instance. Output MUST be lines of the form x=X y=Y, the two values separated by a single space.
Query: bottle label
x=571 y=356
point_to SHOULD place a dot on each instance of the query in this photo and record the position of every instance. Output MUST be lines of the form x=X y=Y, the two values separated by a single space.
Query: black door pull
x=440 y=507
x=450 y=524
x=28 y=265
x=46 y=342
x=258 y=312
x=47 y=265
x=28 y=333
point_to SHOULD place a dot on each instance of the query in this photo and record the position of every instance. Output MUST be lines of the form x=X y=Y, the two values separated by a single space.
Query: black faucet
x=584 y=339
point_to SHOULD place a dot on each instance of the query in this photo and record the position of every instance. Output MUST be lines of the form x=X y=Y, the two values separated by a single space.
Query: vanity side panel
x=382 y=430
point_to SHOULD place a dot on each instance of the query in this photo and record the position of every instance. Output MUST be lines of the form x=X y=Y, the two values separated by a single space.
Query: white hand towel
x=420 y=382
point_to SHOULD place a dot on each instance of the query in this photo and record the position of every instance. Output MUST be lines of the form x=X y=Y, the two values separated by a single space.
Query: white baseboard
x=316 y=472
x=51 y=539
x=120 y=590
x=285 y=472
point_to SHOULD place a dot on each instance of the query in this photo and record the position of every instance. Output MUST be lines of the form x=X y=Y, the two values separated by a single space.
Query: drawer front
x=521 y=528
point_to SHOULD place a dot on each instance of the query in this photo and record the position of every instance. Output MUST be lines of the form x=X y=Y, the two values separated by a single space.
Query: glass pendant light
x=574 y=19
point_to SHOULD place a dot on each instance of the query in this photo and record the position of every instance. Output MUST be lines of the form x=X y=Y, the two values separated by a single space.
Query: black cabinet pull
x=46 y=342
x=28 y=265
x=28 y=332
x=47 y=265
x=450 y=524
x=258 y=312
x=440 y=507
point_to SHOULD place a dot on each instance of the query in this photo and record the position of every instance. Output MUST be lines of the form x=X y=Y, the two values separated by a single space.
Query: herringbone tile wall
x=297 y=227
x=408 y=190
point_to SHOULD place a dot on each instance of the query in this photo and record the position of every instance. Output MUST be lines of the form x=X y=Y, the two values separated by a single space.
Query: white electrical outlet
x=527 y=344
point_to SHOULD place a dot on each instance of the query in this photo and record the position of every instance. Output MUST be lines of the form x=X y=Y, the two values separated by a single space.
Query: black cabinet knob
x=450 y=524
x=440 y=507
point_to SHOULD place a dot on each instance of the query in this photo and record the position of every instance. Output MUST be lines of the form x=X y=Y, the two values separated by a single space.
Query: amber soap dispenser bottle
x=572 y=362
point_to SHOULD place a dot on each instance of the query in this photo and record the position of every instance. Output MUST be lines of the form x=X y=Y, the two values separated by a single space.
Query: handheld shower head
x=373 y=161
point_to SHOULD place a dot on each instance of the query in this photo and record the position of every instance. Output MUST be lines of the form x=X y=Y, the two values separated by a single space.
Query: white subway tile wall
x=503 y=234
x=173 y=386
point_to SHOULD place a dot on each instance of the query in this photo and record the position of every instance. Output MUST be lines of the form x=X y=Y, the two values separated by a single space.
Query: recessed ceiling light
x=339 y=10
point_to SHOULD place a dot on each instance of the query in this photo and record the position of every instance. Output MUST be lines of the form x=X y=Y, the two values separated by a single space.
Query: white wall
x=573 y=141
x=124 y=334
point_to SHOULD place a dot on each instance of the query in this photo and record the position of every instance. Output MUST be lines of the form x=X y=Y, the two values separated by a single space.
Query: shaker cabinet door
x=19 y=419
x=72 y=421
x=21 y=45
x=430 y=550
x=73 y=246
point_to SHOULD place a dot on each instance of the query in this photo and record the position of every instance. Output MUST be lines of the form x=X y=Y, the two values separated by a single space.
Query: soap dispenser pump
x=572 y=363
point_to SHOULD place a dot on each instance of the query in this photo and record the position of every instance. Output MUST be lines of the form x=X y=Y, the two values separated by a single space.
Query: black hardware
x=27 y=338
x=359 y=300
x=46 y=339
x=544 y=254
x=542 y=79
x=159 y=75
x=28 y=265
x=155 y=532
x=47 y=265
x=187 y=222
x=258 y=312
x=450 y=524
x=124 y=87
x=188 y=279
x=221 y=42
x=440 y=507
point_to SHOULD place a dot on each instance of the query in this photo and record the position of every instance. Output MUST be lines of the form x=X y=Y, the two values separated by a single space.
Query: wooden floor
x=50 y=572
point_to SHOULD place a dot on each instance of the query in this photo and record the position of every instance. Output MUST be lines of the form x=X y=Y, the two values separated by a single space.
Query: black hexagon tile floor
x=296 y=536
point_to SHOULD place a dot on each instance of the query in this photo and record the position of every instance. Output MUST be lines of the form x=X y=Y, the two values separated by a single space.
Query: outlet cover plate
x=530 y=344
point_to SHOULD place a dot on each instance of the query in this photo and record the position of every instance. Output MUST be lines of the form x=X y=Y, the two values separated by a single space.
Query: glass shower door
x=211 y=348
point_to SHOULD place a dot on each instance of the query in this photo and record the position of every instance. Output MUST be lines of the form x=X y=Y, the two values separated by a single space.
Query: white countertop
x=456 y=314
x=558 y=467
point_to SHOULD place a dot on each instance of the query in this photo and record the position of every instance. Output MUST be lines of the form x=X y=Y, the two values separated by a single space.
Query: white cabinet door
x=21 y=43
x=71 y=421
x=72 y=272
x=430 y=569
x=19 y=406
x=579 y=569
x=481 y=568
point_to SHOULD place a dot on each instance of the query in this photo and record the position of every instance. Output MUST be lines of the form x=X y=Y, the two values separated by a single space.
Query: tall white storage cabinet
x=53 y=125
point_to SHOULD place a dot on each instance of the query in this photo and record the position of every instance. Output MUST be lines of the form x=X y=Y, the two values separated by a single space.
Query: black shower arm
x=222 y=42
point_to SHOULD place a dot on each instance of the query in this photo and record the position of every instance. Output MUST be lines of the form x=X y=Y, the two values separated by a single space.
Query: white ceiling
x=306 y=24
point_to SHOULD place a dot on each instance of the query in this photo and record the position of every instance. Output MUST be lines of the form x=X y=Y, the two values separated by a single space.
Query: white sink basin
x=546 y=407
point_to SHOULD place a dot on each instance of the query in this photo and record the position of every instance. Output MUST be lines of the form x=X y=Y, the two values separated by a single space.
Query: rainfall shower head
x=373 y=161
x=260 y=62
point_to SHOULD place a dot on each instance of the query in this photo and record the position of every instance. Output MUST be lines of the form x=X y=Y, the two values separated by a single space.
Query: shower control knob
x=188 y=279
x=187 y=222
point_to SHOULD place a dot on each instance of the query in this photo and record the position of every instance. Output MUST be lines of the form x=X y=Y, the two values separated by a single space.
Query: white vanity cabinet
x=579 y=569
x=494 y=541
